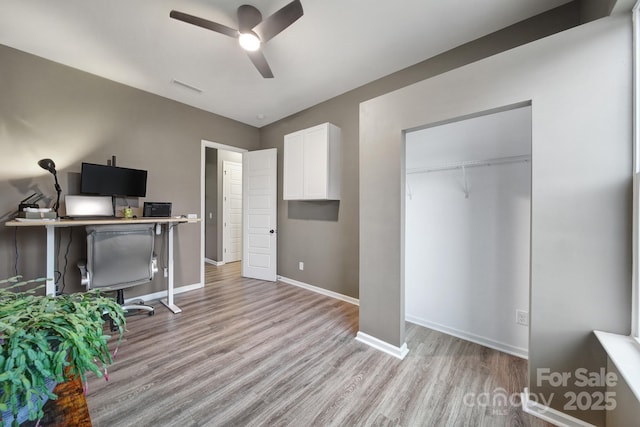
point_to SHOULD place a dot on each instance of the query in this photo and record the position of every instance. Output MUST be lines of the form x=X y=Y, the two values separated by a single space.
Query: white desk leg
x=169 y=300
x=50 y=288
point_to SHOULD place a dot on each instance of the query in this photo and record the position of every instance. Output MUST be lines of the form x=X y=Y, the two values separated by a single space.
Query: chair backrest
x=119 y=256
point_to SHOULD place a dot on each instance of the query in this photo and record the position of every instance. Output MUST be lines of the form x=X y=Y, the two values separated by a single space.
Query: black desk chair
x=120 y=256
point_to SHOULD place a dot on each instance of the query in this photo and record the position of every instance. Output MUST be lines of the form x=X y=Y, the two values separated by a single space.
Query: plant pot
x=23 y=412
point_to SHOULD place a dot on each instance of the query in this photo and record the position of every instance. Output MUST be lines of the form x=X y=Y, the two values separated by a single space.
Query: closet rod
x=471 y=164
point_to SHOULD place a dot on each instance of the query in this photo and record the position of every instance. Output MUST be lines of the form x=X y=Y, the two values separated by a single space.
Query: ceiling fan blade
x=260 y=62
x=248 y=17
x=280 y=20
x=204 y=23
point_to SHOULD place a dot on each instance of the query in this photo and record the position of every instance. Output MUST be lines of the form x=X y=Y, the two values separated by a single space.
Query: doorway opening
x=468 y=222
x=214 y=211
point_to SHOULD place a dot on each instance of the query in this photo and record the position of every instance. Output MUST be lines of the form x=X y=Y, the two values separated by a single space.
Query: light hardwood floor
x=251 y=353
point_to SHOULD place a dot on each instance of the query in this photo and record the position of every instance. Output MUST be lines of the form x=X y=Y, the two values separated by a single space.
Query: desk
x=51 y=225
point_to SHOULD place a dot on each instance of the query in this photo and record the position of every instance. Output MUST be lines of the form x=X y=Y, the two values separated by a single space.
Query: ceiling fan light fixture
x=249 y=42
x=252 y=29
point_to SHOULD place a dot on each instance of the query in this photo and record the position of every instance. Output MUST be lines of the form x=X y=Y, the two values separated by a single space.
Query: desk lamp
x=48 y=164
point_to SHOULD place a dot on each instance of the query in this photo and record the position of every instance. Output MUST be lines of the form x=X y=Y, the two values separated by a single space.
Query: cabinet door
x=315 y=162
x=292 y=180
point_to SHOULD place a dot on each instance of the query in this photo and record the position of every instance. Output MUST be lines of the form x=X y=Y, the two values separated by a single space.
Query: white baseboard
x=548 y=414
x=468 y=336
x=399 y=352
x=163 y=294
x=318 y=290
x=214 y=262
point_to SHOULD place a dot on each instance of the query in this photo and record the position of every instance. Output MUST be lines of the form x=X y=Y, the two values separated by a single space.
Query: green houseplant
x=50 y=337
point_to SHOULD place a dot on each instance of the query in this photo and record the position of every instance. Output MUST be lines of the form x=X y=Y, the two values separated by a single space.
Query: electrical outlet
x=166 y=272
x=522 y=317
x=301 y=265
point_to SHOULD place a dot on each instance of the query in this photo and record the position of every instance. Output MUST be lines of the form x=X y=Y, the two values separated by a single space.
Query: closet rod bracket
x=465 y=183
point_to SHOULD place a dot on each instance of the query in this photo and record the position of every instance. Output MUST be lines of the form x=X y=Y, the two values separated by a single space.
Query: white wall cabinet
x=312 y=163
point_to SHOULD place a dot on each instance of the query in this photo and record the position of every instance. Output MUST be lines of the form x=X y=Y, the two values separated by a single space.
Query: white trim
x=624 y=353
x=214 y=262
x=398 y=352
x=548 y=414
x=318 y=290
x=163 y=294
x=478 y=339
x=204 y=144
x=635 y=226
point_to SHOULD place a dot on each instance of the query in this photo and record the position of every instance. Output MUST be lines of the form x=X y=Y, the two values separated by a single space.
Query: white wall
x=467 y=259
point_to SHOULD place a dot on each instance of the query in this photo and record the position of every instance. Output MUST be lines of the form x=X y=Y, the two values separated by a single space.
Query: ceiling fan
x=252 y=29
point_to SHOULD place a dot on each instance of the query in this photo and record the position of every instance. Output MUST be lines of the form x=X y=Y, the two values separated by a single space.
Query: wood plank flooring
x=250 y=353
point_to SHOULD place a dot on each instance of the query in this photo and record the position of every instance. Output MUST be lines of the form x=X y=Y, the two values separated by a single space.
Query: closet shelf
x=470 y=164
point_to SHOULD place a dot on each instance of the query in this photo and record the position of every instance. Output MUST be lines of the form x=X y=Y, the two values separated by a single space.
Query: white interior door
x=259 y=197
x=232 y=211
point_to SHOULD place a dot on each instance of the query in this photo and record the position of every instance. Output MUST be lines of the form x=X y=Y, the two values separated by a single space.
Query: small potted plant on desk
x=47 y=340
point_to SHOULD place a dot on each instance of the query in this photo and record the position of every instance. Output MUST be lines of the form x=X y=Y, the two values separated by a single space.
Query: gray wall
x=325 y=234
x=49 y=110
x=627 y=407
x=594 y=9
x=579 y=86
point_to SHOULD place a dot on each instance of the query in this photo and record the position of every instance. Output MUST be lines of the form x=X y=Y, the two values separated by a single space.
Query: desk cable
x=15 y=246
x=17 y=260
x=63 y=275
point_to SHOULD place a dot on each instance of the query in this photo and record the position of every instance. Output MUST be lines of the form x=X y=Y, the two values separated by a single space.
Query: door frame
x=204 y=144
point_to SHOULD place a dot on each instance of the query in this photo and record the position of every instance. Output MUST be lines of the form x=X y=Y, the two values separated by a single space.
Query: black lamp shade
x=48 y=164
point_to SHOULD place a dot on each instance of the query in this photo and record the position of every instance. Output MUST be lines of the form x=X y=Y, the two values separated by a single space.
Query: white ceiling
x=336 y=46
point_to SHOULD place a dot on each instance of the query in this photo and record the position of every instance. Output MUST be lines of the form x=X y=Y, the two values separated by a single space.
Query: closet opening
x=468 y=228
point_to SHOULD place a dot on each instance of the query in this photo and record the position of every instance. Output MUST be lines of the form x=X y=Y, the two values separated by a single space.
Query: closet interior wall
x=468 y=228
